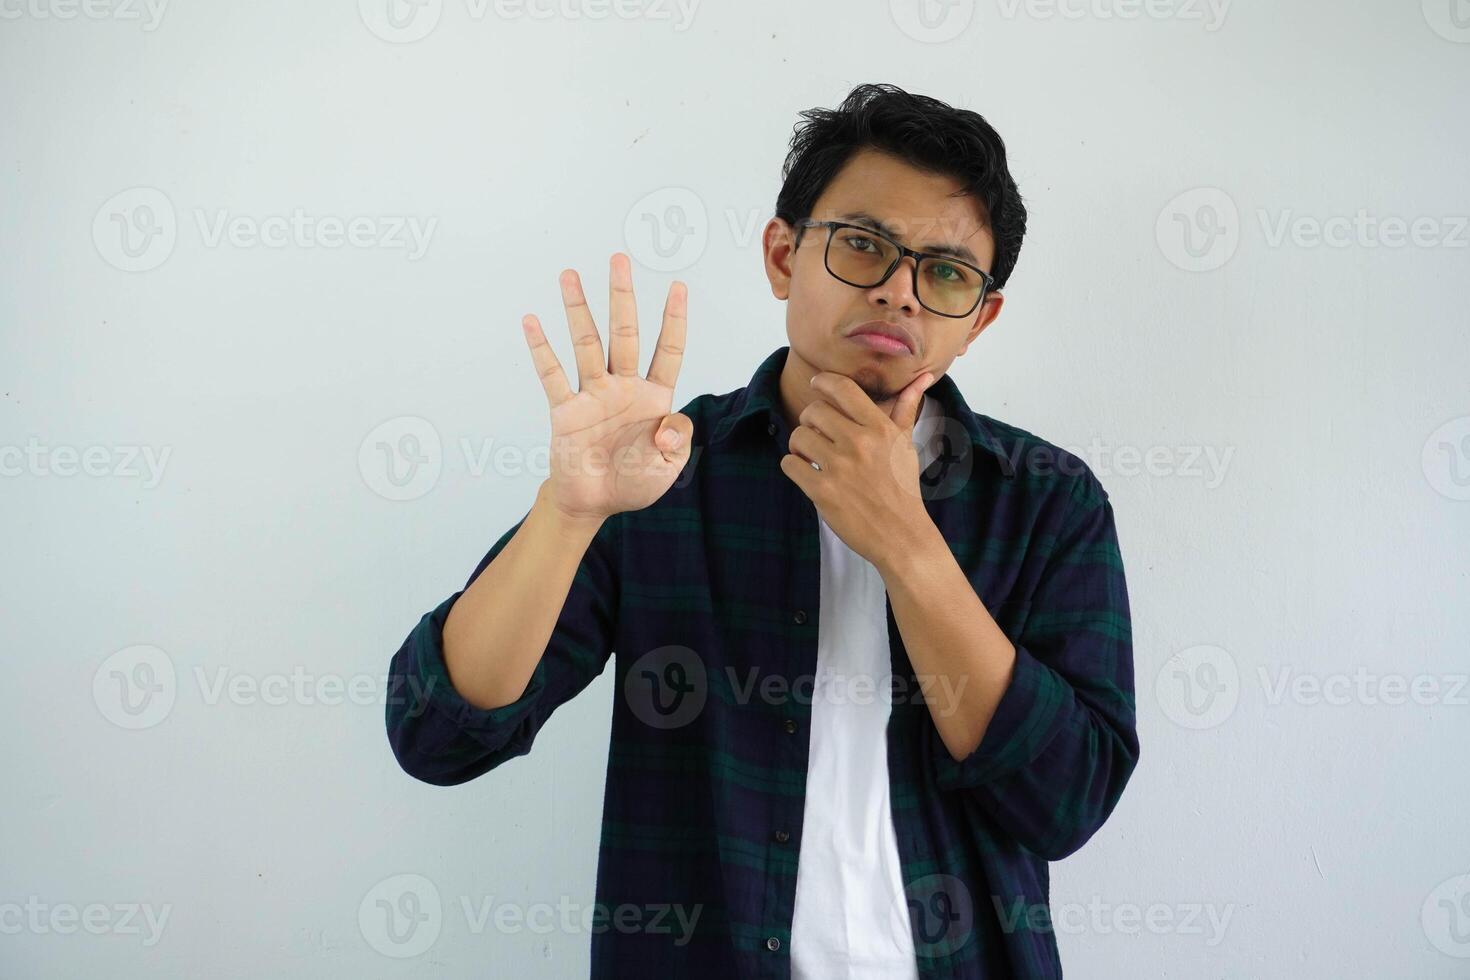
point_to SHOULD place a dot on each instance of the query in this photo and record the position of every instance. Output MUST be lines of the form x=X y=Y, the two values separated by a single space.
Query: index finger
x=844 y=393
x=668 y=354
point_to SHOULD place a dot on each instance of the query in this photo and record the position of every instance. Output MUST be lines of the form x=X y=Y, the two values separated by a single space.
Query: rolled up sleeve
x=1063 y=742
x=439 y=737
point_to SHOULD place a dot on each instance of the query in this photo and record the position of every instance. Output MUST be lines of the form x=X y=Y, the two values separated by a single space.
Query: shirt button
x=770 y=428
x=782 y=837
x=799 y=617
x=773 y=944
x=790 y=727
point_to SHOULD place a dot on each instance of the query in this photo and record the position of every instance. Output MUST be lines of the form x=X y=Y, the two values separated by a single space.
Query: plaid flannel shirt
x=709 y=600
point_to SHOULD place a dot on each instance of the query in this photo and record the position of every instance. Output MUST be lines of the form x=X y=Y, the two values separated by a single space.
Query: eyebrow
x=934 y=248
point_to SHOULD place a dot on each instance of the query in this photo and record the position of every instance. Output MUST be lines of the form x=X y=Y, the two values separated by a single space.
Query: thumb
x=905 y=411
x=673 y=435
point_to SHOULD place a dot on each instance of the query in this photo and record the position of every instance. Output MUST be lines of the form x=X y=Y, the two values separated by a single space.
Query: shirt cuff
x=488 y=724
x=1025 y=721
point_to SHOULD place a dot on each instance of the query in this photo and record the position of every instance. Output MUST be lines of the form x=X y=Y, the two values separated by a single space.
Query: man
x=873 y=651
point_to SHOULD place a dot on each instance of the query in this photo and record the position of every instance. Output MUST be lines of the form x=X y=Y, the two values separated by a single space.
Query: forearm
x=961 y=657
x=499 y=627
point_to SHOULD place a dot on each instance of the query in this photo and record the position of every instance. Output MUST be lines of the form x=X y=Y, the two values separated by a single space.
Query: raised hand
x=614 y=445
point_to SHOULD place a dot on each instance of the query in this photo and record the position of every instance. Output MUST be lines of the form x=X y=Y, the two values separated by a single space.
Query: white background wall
x=1306 y=405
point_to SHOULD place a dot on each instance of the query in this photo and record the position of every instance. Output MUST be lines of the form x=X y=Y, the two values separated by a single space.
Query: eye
x=857 y=243
x=948 y=273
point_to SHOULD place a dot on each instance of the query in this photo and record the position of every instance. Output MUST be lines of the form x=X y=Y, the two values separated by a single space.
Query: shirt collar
x=760 y=400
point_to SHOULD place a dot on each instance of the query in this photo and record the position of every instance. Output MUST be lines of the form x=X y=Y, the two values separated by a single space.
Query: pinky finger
x=548 y=368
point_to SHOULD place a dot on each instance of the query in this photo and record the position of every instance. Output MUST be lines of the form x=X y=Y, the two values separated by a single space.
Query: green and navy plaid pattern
x=708 y=603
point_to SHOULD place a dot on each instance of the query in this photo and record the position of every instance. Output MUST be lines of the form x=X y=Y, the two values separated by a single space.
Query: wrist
x=915 y=547
x=575 y=527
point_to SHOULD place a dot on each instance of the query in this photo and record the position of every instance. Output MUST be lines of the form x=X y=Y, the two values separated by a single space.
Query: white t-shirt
x=851 y=919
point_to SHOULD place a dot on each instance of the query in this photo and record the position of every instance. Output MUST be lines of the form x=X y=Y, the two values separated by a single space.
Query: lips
x=883 y=336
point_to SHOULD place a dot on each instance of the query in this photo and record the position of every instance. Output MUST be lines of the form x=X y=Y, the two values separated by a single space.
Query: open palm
x=614 y=445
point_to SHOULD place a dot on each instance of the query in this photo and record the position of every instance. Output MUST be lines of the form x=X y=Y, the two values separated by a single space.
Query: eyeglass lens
x=861 y=258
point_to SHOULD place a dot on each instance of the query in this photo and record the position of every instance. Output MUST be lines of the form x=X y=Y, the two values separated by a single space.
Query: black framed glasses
x=865 y=258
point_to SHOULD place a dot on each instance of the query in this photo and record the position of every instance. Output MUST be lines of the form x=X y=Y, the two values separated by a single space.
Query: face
x=823 y=314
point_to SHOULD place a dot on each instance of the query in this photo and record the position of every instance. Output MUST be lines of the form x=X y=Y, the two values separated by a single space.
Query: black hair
x=923 y=132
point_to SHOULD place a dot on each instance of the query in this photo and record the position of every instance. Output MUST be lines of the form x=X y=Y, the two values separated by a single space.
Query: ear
x=984 y=317
x=778 y=242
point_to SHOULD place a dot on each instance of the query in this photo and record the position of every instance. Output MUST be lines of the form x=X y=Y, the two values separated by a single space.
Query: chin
x=874 y=383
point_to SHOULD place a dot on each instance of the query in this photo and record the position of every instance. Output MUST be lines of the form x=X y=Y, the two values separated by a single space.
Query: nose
x=898 y=288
